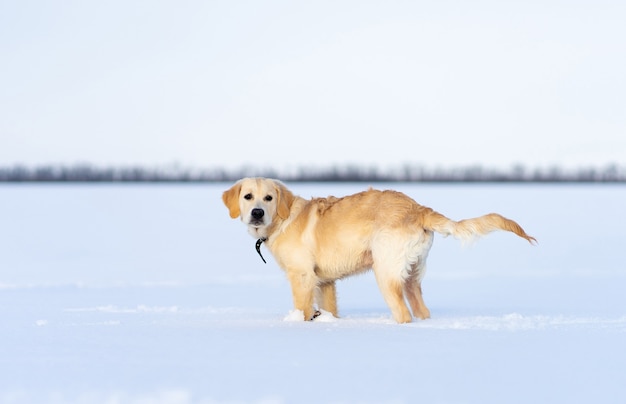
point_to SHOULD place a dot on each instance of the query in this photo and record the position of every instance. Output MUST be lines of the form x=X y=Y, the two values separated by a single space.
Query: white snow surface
x=152 y=294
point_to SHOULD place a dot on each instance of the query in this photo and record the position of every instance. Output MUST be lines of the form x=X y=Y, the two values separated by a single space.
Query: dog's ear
x=231 y=200
x=285 y=199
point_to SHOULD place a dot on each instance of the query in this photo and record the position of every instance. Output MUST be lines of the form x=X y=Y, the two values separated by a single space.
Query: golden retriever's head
x=258 y=202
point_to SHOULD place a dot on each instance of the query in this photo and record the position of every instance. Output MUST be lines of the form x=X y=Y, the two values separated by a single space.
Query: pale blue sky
x=291 y=83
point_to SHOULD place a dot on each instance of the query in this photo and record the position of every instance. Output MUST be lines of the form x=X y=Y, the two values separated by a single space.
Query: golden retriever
x=321 y=240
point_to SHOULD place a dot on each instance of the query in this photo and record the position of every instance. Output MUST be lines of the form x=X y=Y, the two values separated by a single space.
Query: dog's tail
x=470 y=229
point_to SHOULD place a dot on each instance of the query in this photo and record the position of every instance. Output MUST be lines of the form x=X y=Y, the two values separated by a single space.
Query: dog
x=321 y=240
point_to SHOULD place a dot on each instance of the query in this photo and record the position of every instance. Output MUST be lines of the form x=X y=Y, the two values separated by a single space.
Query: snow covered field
x=152 y=294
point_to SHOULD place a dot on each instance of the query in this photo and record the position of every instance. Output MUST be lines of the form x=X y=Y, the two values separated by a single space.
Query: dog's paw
x=318 y=316
x=322 y=316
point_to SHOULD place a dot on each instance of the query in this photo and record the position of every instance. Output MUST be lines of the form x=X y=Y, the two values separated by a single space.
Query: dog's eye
x=247 y=197
x=268 y=198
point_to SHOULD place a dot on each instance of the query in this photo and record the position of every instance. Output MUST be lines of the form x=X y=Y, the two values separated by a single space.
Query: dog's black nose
x=257 y=213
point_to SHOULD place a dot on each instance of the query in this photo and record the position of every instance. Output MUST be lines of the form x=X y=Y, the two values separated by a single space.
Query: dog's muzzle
x=257 y=216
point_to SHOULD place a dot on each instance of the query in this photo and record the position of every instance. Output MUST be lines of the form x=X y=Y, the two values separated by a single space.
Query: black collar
x=258 y=247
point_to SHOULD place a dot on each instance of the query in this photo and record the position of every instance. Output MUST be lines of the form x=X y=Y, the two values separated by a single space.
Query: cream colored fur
x=321 y=240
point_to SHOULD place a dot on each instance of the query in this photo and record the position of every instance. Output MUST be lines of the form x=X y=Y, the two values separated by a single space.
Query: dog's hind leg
x=327 y=297
x=389 y=256
x=413 y=292
x=415 y=271
x=391 y=289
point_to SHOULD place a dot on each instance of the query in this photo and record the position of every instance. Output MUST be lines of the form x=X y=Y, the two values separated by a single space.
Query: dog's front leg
x=327 y=297
x=303 y=286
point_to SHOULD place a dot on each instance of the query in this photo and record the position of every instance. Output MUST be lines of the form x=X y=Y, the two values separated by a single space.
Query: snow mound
x=326 y=317
x=294 y=315
x=298 y=315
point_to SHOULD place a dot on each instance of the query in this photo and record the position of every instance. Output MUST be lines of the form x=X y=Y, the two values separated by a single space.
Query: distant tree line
x=611 y=173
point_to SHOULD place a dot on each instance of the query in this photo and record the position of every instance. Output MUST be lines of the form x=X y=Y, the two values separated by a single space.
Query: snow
x=137 y=294
x=294 y=315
